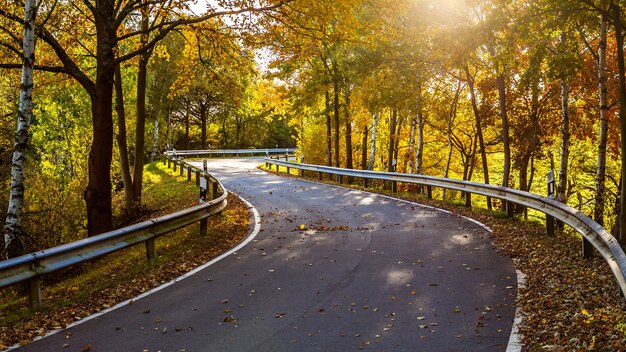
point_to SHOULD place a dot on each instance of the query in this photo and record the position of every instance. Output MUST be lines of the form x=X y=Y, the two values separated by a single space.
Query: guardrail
x=32 y=267
x=225 y=152
x=593 y=233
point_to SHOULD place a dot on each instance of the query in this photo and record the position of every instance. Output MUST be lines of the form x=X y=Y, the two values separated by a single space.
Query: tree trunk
x=600 y=192
x=13 y=245
x=396 y=147
x=392 y=139
x=561 y=189
x=449 y=124
x=187 y=126
x=348 y=133
x=420 y=133
x=336 y=108
x=373 y=142
x=619 y=38
x=364 y=150
x=203 y=123
x=129 y=198
x=479 y=131
x=155 y=139
x=329 y=133
x=142 y=75
x=506 y=144
x=412 y=145
x=98 y=193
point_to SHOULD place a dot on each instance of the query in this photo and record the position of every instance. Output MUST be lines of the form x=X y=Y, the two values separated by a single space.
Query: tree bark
x=450 y=122
x=329 y=133
x=600 y=192
x=561 y=189
x=336 y=109
x=364 y=149
x=619 y=38
x=479 y=130
x=420 y=132
x=13 y=232
x=155 y=139
x=373 y=142
x=506 y=144
x=203 y=123
x=392 y=139
x=412 y=145
x=140 y=131
x=349 y=164
x=129 y=198
x=187 y=126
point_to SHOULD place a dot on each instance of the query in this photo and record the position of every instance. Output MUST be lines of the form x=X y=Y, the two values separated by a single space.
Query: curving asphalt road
x=367 y=273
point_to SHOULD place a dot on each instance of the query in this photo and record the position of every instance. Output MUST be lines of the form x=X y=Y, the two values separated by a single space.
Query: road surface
x=332 y=269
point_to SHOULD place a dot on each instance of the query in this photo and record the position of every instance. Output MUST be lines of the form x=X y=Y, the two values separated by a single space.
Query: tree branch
x=53 y=69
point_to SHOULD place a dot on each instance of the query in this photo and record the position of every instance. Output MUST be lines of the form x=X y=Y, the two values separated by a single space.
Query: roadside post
x=550 y=219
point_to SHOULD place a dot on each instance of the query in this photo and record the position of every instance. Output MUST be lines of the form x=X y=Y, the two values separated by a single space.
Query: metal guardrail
x=32 y=267
x=224 y=152
x=594 y=233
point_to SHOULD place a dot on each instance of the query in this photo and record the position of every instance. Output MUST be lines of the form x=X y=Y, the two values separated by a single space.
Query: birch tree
x=13 y=223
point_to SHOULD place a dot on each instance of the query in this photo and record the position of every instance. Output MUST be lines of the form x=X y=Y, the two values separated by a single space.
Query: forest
x=493 y=91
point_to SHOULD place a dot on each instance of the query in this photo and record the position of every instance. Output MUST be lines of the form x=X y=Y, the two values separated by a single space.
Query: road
x=332 y=269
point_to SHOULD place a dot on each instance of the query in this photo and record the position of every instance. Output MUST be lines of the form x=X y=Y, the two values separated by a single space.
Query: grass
x=88 y=288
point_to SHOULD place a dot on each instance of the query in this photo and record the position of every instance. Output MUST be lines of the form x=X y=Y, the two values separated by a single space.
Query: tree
x=114 y=44
x=12 y=226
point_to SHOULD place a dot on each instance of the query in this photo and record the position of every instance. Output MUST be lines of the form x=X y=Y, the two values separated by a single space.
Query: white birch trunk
x=598 y=214
x=373 y=141
x=13 y=222
x=565 y=136
x=155 y=139
x=412 y=145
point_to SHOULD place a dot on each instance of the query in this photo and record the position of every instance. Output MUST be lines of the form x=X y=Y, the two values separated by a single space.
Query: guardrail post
x=174 y=166
x=182 y=167
x=169 y=163
x=164 y=159
x=210 y=195
x=549 y=225
x=549 y=219
x=197 y=177
x=587 y=249
x=509 y=209
x=319 y=175
x=339 y=179
x=394 y=186
x=34 y=293
x=189 y=174
x=287 y=170
x=214 y=186
x=204 y=227
x=429 y=191
x=151 y=251
x=468 y=199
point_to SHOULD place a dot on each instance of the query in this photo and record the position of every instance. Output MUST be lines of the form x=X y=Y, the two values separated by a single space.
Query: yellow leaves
x=160 y=51
x=302 y=227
